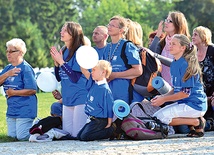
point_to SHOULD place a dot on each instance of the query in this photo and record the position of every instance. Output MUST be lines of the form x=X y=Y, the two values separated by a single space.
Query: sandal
x=201 y=125
x=191 y=133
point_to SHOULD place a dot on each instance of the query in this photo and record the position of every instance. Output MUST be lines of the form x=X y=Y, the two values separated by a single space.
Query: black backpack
x=151 y=68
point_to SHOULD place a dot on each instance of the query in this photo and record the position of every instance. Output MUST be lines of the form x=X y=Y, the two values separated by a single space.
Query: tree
x=147 y=13
x=198 y=13
x=34 y=42
x=43 y=18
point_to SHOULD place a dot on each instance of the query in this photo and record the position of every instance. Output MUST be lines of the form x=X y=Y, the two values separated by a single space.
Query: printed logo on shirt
x=11 y=79
x=114 y=58
x=91 y=98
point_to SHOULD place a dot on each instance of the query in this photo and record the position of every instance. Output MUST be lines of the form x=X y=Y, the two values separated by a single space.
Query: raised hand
x=56 y=56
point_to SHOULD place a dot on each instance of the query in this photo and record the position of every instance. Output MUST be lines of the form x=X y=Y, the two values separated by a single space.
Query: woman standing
x=18 y=80
x=73 y=82
x=202 y=39
x=175 y=23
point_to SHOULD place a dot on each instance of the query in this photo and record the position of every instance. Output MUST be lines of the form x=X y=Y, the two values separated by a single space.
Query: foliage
x=139 y=11
x=33 y=40
x=198 y=13
x=38 y=22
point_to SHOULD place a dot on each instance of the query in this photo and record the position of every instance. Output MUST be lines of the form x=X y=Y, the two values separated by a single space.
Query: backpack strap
x=125 y=60
x=123 y=55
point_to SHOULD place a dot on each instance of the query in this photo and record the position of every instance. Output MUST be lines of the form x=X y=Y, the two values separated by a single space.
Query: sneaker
x=33 y=137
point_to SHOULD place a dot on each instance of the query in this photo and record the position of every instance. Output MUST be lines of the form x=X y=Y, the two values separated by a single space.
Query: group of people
x=87 y=96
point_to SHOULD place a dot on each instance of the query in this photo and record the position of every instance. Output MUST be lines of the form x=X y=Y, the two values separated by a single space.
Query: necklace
x=115 y=49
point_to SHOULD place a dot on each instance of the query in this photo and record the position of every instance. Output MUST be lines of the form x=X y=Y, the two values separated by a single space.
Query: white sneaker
x=33 y=137
x=40 y=138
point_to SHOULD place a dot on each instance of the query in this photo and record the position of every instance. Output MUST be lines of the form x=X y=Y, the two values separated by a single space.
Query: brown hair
x=75 y=30
x=180 y=23
x=153 y=34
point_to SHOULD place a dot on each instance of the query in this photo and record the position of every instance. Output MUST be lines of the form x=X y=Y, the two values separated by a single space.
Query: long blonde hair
x=134 y=33
x=190 y=55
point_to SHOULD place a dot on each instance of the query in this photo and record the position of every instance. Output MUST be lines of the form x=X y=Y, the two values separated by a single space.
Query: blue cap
x=56 y=109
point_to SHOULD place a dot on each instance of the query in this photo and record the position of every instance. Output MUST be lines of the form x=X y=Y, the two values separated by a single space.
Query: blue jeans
x=182 y=129
x=95 y=130
x=19 y=127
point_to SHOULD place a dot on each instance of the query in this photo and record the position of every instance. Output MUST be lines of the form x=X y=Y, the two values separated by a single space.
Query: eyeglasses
x=168 y=21
x=109 y=25
x=11 y=51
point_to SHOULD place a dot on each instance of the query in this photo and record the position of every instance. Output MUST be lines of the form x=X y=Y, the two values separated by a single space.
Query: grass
x=44 y=102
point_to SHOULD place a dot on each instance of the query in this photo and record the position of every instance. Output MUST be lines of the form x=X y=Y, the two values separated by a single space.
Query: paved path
x=176 y=145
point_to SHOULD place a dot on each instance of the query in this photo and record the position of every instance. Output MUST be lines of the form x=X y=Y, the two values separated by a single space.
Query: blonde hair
x=190 y=55
x=134 y=33
x=105 y=66
x=205 y=34
x=139 y=33
x=18 y=43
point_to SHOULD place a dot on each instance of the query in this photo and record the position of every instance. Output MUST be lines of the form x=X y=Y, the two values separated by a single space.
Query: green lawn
x=44 y=102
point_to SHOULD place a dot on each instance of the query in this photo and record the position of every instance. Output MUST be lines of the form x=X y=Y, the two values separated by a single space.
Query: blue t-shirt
x=197 y=98
x=112 y=53
x=99 y=101
x=21 y=106
x=72 y=93
x=100 y=51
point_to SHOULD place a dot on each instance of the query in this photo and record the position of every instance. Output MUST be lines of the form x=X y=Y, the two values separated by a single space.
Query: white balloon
x=46 y=81
x=87 y=57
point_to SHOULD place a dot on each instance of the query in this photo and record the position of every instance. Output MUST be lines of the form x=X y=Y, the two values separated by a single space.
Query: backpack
x=145 y=128
x=139 y=125
x=143 y=109
x=151 y=68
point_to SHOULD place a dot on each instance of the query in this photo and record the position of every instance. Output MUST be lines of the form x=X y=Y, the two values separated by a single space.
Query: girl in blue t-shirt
x=188 y=93
x=99 y=104
x=67 y=70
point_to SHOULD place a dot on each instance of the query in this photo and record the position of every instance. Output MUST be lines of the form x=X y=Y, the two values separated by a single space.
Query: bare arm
x=160 y=100
x=131 y=73
x=24 y=92
x=12 y=72
x=109 y=123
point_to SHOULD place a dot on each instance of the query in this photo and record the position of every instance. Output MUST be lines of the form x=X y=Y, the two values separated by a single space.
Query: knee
x=83 y=137
x=164 y=119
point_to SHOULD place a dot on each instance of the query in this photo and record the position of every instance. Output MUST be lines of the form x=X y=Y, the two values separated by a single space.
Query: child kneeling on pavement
x=99 y=104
